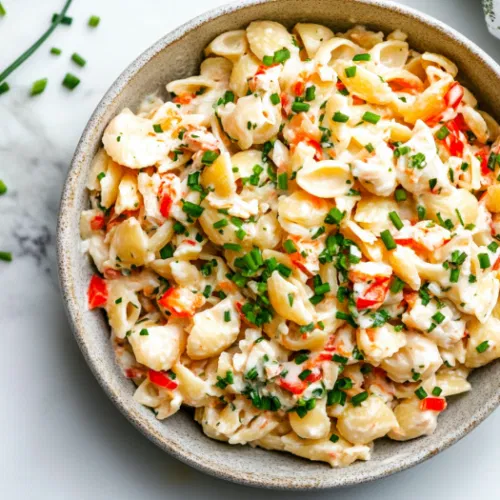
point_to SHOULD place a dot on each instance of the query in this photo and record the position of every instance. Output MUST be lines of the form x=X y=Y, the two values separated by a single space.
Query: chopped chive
x=459 y=215
x=304 y=374
x=3 y=187
x=322 y=289
x=298 y=107
x=6 y=256
x=252 y=374
x=63 y=20
x=283 y=181
x=306 y=328
x=119 y=300
x=340 y=359
x=268 y=60
x=235 y=247
x=311 y=93
x=284 y=270
x=144 y=332
x=415 y=376
x=167 y=251
x=421 y=212
x=371 y=117
x=484 y=260
x=227 y=316
x=289 y=246
x=4 y=87
x=228 y=96
x=78 y=59
x=437 y=391
x=300 y=358
x=395 y=219
x=351 y=71
x=493 y=246
x=275 y=99
x=439 y=317
x=157 y=128
x=420 y=393
x=400 y=195
x=70 y=81
x=220 y=224
x=39 y=86
x=397 y=285
x=334 y=438
x=192 y=209
x=334 y=216
x=94 y=21
x=432 y=183
x=318 y=233
x=280 y=56
x=209 y=157
x=388 y=240
x=340 y=117
x=483 y=346
x=454 y=275
x=464 y=166
x=3 y=12
x=401 y=151
x=336 y=396
x=359 y=398
x=443 y=133
x=240 y=234
x=55 y=51
x=362 y=57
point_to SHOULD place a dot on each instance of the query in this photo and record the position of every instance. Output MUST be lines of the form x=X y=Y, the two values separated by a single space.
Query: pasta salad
x=302 y=244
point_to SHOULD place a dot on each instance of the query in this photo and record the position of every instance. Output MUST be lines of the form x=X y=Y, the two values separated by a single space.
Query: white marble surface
x=60 y=438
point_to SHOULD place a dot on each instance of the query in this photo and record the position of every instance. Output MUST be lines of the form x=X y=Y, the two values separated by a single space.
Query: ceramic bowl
x=178 y=55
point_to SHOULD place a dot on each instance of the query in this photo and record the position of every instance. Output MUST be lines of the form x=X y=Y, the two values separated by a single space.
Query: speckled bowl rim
x=74 y=308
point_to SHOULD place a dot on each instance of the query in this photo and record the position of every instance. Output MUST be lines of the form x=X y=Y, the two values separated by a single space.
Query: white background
x=60 y=438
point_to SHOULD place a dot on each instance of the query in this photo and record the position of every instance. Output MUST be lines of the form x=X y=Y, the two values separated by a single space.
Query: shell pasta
x=303 y=243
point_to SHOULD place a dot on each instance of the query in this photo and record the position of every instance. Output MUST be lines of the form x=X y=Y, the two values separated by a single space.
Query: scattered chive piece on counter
x=55 y=51
x=64 y=20
x=39 y=86
x=94 y=21
x=3 y=12
x=3 y=187
x=78 y=59
x=6 y=256
x=70 y=81
x=4 y=87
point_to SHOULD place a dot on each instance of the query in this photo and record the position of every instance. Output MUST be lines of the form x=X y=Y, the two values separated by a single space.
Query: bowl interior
x=176 y=56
